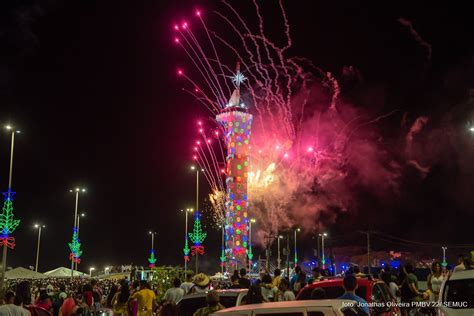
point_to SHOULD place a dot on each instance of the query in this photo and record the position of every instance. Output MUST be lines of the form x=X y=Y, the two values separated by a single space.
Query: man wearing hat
x=201 y=283
x=213 y=305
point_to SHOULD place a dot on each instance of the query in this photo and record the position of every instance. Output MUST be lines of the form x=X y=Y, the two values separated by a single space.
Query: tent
x=63 y=272
x=22 y=273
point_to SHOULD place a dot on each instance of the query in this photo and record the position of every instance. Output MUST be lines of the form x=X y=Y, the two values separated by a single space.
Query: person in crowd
x=9 y=297
x=460 y=266
x=120 y=300
x=276 y=278
x=409 y=288
x=244 y=280
x=188 y=283
x=113 y=290
x=267 y=288
x=146 y=299
x=133 y=304
x=315 y=275
x=284 y=292
x=350 y=285
x=295 y=276
x=300 y=282
x=357 y=272
x=201 y=283
x=176 y=293
x=435 y=279
x=21 y=302
x=318 y=294
x=169 y=309
x=388 y=278
x=97 y=294
x=44 y=301
x=254 y=295
x=234 y=282
x=213 y=305
x=87 y=295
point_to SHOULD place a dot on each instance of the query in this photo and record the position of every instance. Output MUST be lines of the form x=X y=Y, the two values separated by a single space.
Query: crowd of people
x=70 y=297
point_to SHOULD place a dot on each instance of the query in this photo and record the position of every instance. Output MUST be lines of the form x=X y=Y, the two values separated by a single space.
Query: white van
x=456 y=296
x=297 y=308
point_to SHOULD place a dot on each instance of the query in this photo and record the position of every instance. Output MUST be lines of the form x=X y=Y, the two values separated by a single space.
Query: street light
x=186 y=244
x=444 y=263
x=76 y=191
x=8 y=197
x=152 y=258
x=297 y=230
x=323 y=261
x=471 y=129
x=78 y=226
x=250 y=254
x=39 y=227
x=90 y=271
x=279 y=258
x=197 y=205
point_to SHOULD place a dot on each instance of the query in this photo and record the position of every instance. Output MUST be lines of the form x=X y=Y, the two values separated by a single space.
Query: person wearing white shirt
x=187 y=284
x=174 y=294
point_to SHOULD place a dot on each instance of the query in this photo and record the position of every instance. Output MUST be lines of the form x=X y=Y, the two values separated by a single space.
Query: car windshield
x=459 y=294
x=331 y=292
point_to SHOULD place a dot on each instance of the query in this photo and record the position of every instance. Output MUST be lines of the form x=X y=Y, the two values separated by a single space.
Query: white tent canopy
x=22 y=273
x=63 y=272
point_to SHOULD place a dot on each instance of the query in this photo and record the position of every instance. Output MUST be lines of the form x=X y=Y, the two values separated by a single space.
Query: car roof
x=273 y=305
x=227 y=292
x=460 y=275
x=339 y=281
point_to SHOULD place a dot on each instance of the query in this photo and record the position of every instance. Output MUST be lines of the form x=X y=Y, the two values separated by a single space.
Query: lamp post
x=7 y=230
x=75 y=241
x=78 y=226
x=186 y=243
x=323 y=258
x=250 y=254
x=222 y=258
x=297 y=230
x=152 y=258
x=197 y=203
x=39 y=227
x=444 y=263
x=90 y=271
x=279 y=258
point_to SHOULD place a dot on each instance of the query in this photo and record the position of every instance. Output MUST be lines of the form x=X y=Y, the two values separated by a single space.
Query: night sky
x=92 y=86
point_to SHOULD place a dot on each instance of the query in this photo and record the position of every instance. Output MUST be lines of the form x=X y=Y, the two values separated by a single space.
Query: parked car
x=229 y=298
x=297 y=308
x=373 y=291
x=456 y=296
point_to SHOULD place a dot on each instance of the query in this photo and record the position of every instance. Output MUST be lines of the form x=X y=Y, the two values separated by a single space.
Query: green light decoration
x=197 y=236
x=75 y=247
x=7 y=222
x=152 y=258
x=186 y=249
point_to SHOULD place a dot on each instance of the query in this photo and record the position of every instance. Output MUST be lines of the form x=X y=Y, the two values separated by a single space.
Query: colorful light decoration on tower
x=237 y=129
x=75 y=247
x=197 y=236
x=7 y=222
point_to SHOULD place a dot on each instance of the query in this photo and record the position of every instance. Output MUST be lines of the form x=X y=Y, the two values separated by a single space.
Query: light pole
x=250 y=254
x=39 y=227
x=78 y=226
x=152 y=258
x=297 y=230
x=279 y=258
x=197 y=203
x=186 y=244
x=75 y=237
x=90 y=271
x=222 y=258
x=7 y=230
x=444 y=263
x=323 y=258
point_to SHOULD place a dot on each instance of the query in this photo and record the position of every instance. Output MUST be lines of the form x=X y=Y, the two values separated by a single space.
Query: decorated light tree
x=75 y=247
x=152 y=259
x=7 y=222
x=197 y=236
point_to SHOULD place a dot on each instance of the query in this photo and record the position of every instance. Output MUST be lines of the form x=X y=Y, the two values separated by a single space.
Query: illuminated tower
x=237 y=124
